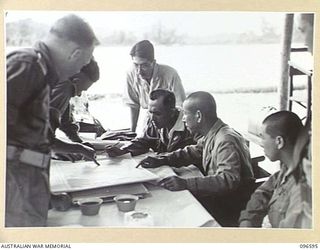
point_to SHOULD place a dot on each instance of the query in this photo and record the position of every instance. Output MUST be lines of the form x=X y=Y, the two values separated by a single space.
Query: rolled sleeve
x=178 y=90
x=131 y=93
x=147 y=141
x=257 y=207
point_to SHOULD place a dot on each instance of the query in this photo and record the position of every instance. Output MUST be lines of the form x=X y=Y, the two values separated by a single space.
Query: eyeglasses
x=143 y=66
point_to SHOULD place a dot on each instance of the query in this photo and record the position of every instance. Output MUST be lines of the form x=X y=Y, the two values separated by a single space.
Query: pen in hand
x=96 y=162
x=138 y=165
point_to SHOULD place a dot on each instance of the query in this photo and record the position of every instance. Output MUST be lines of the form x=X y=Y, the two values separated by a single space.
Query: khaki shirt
x=284 y=201
x=224 y=157
x=137 y=90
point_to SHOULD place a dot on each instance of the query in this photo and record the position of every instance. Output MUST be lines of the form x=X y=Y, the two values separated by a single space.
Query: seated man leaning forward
x=222 y=155
x=165 y=130
x=279 y=134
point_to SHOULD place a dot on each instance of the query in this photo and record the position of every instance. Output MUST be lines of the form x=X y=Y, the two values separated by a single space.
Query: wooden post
x=283 y=89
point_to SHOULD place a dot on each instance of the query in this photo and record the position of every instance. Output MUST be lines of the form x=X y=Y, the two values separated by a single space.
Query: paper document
x=68 y=177
x=162 y=173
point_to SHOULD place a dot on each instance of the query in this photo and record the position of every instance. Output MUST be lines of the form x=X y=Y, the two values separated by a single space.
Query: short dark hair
x=204 y=102
x=75 y=29
x=168 y=97
x=143 y=49
x=283 y=123
x=92 y=70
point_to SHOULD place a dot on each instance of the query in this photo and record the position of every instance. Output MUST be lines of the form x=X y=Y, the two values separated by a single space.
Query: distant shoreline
x=242 y=90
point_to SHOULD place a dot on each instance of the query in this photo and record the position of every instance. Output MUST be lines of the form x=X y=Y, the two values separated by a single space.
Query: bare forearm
x=134 y=117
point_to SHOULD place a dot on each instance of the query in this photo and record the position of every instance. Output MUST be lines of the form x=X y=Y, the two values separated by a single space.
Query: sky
x=201 y=23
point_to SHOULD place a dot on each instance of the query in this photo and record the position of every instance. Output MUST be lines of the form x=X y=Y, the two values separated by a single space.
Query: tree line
x=27 y=32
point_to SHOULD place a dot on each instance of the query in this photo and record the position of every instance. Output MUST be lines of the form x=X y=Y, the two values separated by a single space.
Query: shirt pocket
x=278 y=207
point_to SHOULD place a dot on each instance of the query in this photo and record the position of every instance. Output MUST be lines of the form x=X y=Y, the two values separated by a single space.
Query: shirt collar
x=215 y=128
x=178 y=126
x=285 y=172
x=154 y=73
x=52 y=71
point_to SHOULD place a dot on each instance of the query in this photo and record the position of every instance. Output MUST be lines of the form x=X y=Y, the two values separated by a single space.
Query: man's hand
x=87 y=144
x=174 y=183
x=114 y=151
x=153 y=162
x=87 y=152
x=67 y=157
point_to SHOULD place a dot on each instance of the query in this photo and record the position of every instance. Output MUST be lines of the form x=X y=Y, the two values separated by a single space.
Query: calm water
x=212 y=67
x=208 y=68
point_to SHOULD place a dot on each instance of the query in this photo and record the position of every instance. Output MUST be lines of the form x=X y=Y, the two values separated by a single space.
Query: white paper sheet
x=67 y=177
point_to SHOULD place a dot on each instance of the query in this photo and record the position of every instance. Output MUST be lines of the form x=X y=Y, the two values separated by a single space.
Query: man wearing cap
x=31 y=73
x=146 y=76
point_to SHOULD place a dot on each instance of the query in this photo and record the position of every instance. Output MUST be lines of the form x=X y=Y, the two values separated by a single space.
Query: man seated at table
x=224 y=159
x=165 y=130
x=279 y=134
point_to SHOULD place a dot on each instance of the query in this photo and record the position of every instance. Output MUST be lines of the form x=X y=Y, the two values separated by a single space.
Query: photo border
x=112 y=235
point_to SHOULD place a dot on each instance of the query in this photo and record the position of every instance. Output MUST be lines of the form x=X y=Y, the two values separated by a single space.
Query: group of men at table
x=182 y=130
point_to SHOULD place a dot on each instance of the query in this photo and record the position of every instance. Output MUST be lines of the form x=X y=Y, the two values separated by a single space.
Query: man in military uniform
x=60 y=115
x=31 y=73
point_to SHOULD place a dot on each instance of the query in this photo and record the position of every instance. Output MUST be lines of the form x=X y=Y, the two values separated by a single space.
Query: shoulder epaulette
x=30 y=55
x=42 y=64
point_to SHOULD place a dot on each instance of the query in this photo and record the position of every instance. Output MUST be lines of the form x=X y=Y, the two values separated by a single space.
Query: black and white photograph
x=158 y=119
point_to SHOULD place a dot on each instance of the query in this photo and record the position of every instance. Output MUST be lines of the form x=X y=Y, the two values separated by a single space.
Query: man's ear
x=199 y=116
x=75 y=54
x=280 y=142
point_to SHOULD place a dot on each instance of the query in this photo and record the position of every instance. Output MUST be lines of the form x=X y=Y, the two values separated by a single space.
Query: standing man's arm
x=20 y=86
x=134 y=111
x=178 y=90
x=132 y=99
x=69 y=127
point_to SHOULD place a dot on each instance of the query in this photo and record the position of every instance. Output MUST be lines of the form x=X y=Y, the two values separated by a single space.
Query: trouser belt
x=28 y=156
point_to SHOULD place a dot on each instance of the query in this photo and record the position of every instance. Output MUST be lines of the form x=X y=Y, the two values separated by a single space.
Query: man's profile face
x=76 y=59
x=81 y=83
x=143 y=66
x=159 y=113
x=190 y=118
x=269 y=144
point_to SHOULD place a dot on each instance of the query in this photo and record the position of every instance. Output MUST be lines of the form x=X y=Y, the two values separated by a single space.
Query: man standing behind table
x=31 y=73
x=146 y=76
x=165 y=130
x=224 y=159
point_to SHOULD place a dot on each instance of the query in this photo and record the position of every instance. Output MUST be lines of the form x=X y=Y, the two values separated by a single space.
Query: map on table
x=69 y=177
